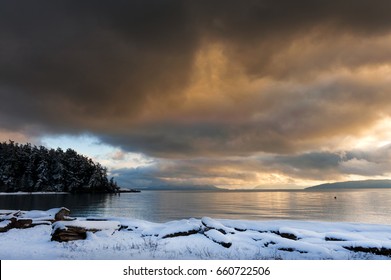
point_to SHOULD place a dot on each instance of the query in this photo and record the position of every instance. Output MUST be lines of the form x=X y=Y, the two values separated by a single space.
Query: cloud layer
x=218 y=92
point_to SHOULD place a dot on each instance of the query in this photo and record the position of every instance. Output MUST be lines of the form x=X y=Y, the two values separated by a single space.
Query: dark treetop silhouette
x=38 y=169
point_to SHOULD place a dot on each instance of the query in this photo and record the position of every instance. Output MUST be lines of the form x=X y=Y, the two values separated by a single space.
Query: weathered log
x=283 y=234
x=21 y=223
x=181 y=233
x=333 y=239
x=69 y=233
x=63 y=215
x=289 y=249
x=5 y=225
x=64 y=231
x=17 y=219
x=288 y=235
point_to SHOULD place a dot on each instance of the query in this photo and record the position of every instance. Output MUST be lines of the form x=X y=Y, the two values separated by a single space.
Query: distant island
x=366 y=184
x=27 y=168
x=125 y=190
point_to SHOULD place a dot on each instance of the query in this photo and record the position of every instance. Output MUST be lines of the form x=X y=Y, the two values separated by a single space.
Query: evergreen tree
x=30 y=168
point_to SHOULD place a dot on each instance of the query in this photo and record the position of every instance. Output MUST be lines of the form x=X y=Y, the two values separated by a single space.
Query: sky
x=234 y=94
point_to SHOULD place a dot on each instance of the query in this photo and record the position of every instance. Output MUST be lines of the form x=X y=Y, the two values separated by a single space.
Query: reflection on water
x=367 y=206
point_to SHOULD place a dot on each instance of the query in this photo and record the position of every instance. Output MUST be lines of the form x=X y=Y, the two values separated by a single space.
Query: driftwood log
x=64 y=231
x=69 y=233
x=63 y=215
x=18 y=220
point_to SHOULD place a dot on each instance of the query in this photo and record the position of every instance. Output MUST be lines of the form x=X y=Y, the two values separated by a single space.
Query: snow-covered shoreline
x=204 y=238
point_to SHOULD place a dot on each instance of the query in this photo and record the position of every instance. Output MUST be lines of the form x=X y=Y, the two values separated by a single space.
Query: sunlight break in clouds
x=90 y=146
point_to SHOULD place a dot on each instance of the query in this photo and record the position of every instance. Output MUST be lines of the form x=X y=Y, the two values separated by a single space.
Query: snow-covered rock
x=180 y=228
x=210 y=223
x=218 y=237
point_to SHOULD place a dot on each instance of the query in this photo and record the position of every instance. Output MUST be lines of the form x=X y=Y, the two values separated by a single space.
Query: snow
x=6 y=215
x=218 y=237
x=181 y=227
x=41 y=215
x=206 y=238
x=4 y=223
x=89 y=225
x=210 y=223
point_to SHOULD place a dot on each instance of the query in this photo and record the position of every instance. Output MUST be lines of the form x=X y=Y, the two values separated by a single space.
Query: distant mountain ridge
x=181 y=188
x=366 y=184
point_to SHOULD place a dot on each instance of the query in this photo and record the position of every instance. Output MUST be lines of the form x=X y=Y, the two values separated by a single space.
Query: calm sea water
x=364 y=206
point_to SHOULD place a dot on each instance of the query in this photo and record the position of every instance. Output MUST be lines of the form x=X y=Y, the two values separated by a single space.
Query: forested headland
x=28 y=168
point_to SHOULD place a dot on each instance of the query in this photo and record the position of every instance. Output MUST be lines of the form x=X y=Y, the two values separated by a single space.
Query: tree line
x=28 y=168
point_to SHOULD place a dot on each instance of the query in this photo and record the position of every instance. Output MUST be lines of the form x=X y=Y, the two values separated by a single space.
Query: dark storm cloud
x=283 y=121
x=151 y=177
x=318 y=161
x=76 y=61
x=208 y=79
